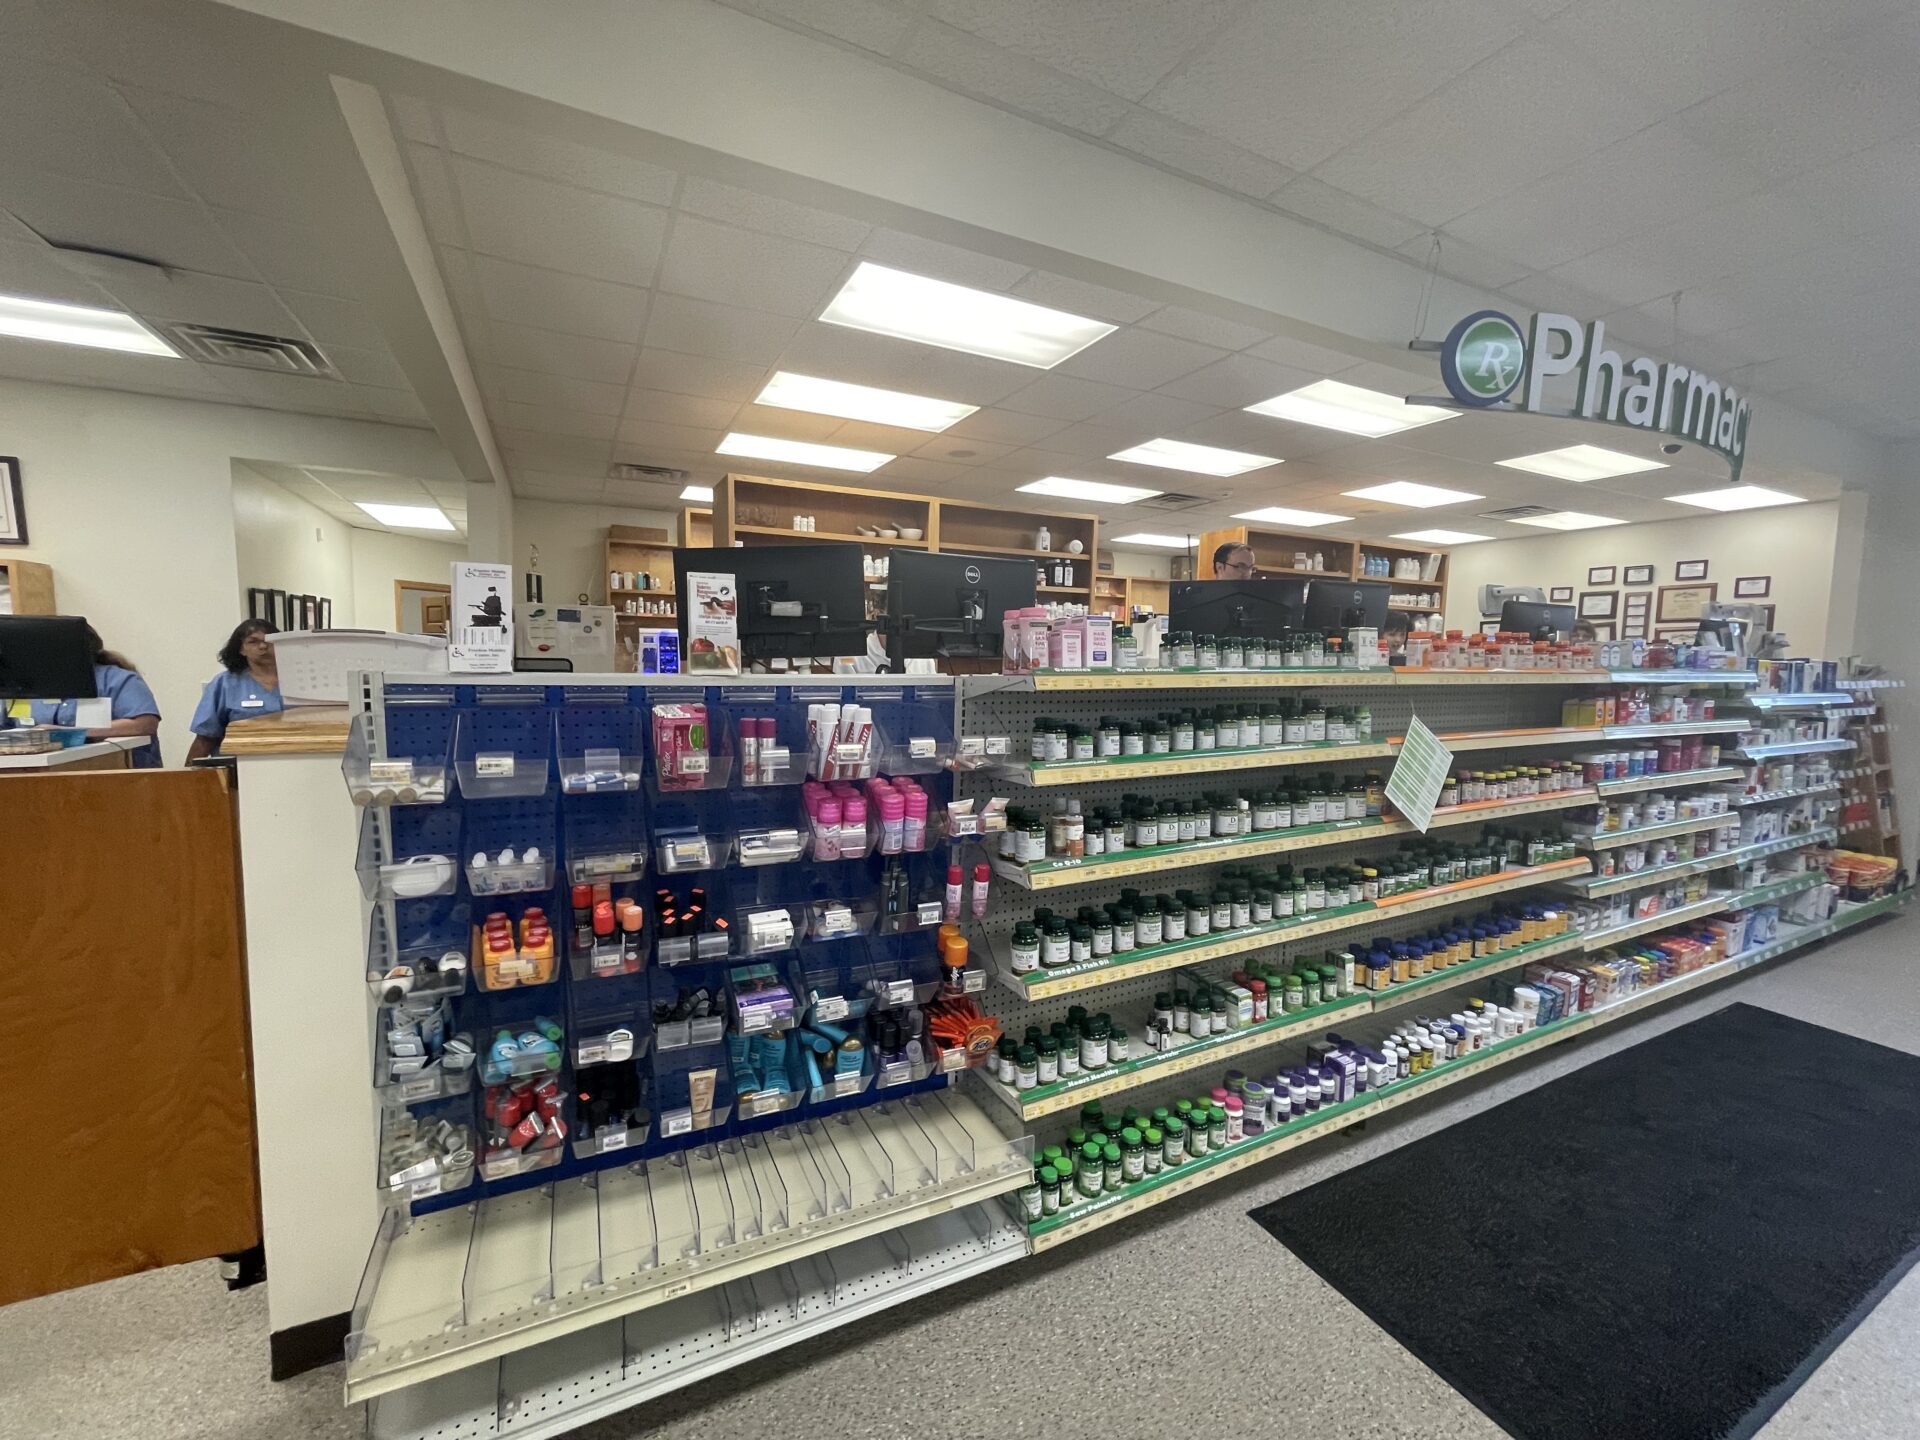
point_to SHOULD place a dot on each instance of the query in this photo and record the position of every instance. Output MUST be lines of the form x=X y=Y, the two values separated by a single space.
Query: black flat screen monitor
x=1269 y=608
x=792 y=602
x=1340 y=605
x=45 y=657
x=952 y=606
x=1542 y=622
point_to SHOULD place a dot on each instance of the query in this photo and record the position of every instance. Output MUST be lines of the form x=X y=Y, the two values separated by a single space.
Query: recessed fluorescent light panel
x=1302 y=519
x=1581 y=463
x=1738 y=497
x=408 y=517
x=1199 y=459
x=1148 y=537
x=703 y=494
x=1406 y=492
x=954 y=317
x=1441 y=537
x=800 y=452
x=1067 y=489
x=79 y=325
x=861 y=402
x=1335 y=406
x=1569 y=520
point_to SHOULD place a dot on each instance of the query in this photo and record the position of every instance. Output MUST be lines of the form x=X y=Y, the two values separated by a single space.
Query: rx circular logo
x=973 y=574
x=1483 y=358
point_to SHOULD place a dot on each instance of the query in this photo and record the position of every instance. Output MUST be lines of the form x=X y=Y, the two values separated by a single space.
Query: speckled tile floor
x=1123 y=1320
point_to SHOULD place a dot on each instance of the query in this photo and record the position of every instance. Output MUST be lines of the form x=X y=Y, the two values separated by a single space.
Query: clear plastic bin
x=426 y=1150
x=419 y=1055
x=395 y=777
x=417 y=950
x=769 y=845
x=408 y=853
x=613 y=867
x=518 y=878
x=503 y=746
x=526 y=1126
x=686 y=852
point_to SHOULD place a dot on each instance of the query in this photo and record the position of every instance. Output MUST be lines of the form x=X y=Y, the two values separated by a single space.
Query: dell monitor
x=1338 y=605
x=789 y=602
x=951 y=606
x=1269 y=608
x=1542 y=622
x=45 y=657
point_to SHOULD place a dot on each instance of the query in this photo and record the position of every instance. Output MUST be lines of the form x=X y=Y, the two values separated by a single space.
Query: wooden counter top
x=303 y=730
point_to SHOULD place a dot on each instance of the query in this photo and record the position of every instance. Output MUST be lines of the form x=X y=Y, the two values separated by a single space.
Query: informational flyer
x=1418 y=775
x=713 y=624
x=480 y=622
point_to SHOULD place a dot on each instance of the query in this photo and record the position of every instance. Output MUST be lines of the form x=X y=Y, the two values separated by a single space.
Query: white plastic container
x=315 y=664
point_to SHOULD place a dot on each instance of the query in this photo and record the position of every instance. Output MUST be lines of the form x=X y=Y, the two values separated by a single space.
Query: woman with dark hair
x=248 y=684
x=134 y=712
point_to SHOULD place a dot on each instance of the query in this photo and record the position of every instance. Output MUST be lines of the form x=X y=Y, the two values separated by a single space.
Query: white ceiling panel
x=647 y=435
x=941 y=261
x=68 y=122
x=30 y=269
x=1066 y=398
x=433 y=190
x=1196 y=153
x=368 y=367
x=781 y=424
x=1139 y=359
x=726 y=332
x=209 y=300
x=770 y=215
x=1125 y=46
x=1471 y=263
x=664 y=407
x=216 y=150
x=1315 y=200
x=546 y=420
x=534 y=387
x=682 y=374
x=838 y=352
x=1238 y=381
x=306 y=258
x=1205 y=329
x=75 y=212
x=1810 y=111
x=710 y=261
x=960 y=450
x=1341 y=69
x=546 y=299
x=1005 y=427
x=573 y=452
x=398 y=405
x=576 y=357
x=1159 y=413
x=1077 y=297
x=978 y=68
x=558 y=227
x=559 y=160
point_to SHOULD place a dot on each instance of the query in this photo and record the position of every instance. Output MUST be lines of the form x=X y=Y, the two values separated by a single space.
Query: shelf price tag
x=927 y=912
x=498 y=766
x=591 y=1053
x=922 y=747
x=390 y=772
x=897 y=1073
x=424 y=1189
x=617 y=1140
x=1419 y=774
x=973 y=982
x=693 y=762
x=897 y=992
x=829 y=1008
x=676 y=1122
x=847 y=1084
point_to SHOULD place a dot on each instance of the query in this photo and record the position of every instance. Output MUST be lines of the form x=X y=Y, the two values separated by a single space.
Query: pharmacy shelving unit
x=1869 y=820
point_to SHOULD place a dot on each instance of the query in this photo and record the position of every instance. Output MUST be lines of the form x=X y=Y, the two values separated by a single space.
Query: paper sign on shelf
x=713 y=624
x=1419 y=774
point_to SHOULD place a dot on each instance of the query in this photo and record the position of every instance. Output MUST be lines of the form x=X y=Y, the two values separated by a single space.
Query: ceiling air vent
x=1517 y=512
x=242 y=348
x=664 y=473
x=1172 y=500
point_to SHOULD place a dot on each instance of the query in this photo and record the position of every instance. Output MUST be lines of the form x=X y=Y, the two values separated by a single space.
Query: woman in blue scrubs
x=248 y=685
x=135 y=711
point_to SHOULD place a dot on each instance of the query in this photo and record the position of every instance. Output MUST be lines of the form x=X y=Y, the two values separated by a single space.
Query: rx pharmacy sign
x=1555 y=366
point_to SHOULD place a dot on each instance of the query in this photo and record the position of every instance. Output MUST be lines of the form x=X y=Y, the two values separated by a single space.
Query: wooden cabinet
x=1120 y=595
x=639 y=570
x=26 y=588
x=1280 y=552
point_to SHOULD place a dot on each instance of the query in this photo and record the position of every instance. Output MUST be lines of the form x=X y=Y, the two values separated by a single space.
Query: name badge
x=253 y=704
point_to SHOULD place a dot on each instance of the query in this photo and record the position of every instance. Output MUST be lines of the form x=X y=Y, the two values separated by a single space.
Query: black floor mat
x=1659 y=1246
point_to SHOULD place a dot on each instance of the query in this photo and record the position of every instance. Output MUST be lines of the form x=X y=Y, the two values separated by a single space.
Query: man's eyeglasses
x=1241 y=568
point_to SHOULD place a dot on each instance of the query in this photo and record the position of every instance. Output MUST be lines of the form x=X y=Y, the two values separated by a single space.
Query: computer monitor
x=791 y=602
x=1270 y=608
x=45 y=657
x=1339 y=605
x=951 y=606
x=1542 y=622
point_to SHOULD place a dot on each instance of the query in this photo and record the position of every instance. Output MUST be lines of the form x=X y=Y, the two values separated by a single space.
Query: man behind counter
x=1233 y=561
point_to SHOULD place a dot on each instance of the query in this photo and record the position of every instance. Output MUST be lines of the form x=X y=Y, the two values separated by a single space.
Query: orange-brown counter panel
x=123 y=1017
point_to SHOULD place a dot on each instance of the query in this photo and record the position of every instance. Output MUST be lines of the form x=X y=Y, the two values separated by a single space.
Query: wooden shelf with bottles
x=1278 y=552
x=647 y=555
x=1120 y=595
x=696 y=527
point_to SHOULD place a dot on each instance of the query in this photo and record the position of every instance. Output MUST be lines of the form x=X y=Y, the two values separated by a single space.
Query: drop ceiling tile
x=546 y=299
x=1077 y=297
x=974 y=67
x=1158 y=413
x=1681 y=51
x=1469 y=264
x=559 y=227
x=1066 y=398
x=79 y=365
x=367 y=367
x=300 y=257
x=932 y=477
x=960 y=451
x=649 y=435
x=709 y=261
x=1238 y=381
x=888 y=439
x=702 y=375
x=73 y=212
x=837 y=352
x=547 y=420
x=217 y=151
x=1345 y=214
x=1139 y=359
x=577 y=357
x=700 y=327
x=940 y=261
x=1871 y=192
x=1006 y=427
x=433 y=192
x=1203 y=328
x=1195 y=152
x=205 y=300
x=29 y=269
x=1342 y=69
x=866 y=23
x=1299 y=354
x=68 y=122
x=1093 y=440
x=533 y=387
x=782 y=424
x=770 y=215
x=1240 y=430
x=1809 y=111
x=664 y=407
x=393 y=405
x=571 y=451
x=292 y=392
x=560 y=160
x=1414 y=165
x=414 y=118
x=1124 y=46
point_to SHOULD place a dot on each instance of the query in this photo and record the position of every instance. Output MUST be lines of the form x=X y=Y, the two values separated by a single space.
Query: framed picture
x=1600 y=575
x=324 y=620
x=1489 y=627
x=1690 y=570
x=1685 y=632
x=1560 y=595
x=263 y=604
x=13 y=509
x=1603 y=630
x=1683 y=603
x=1753 y=587
x=1766 y=616
x=1634 y=627
x=1638 y=575
x=1599 y=604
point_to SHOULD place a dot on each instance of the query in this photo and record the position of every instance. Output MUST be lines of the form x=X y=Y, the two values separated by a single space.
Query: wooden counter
x=302 y=730
x=94 y=755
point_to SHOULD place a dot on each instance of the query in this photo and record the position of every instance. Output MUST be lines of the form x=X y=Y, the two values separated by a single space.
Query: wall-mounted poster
x=1599 y=604
x=1680 y=603
x=1753 y=587
x=1600 y=575
x=1690 y=570
x=1603 y=630
x=1634 y=627
x=13 y=510
x=1638 y=575
x=1560 y=595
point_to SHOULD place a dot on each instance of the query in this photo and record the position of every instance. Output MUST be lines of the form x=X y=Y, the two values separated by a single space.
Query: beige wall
x=130 y=499
x=1794 y=544
x=281 y=542
x=572 y=541
x=381 y=557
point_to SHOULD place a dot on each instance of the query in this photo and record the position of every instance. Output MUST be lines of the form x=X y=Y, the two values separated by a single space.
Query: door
x=420 y=607
x=121 y=968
